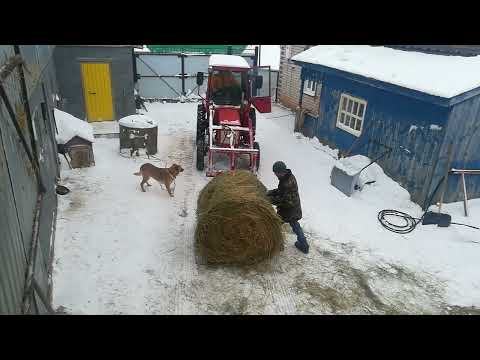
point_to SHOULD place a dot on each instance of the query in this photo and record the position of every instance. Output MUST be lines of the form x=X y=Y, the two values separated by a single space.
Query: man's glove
x=271 y=194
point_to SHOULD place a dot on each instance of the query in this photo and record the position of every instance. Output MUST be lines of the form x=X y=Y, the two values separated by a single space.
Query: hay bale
x=236 y=224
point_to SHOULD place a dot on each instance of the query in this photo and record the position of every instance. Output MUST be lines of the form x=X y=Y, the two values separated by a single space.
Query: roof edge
x=383 y=85
x=113 y=46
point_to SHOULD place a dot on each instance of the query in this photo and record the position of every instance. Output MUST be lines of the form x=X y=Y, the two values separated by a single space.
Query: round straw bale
x=236 y=224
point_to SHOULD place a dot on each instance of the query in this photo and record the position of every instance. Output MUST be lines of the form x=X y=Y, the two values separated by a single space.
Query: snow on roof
x=69 y=126
x=138 y=121
x=438 y=75
x=143 y=49
x=229 y=60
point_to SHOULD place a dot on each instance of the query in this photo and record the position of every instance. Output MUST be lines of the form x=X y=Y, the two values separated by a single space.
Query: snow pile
x=439 y=75
x=69 y=126
x=318 y=145
x=353 y=164
x=138 y=121
x=229 y=61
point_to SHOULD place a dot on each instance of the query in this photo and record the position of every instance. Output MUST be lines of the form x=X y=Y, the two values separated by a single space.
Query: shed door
x=97 y=90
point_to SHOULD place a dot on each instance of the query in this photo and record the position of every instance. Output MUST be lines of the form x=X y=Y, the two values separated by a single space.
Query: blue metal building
x=418 y=126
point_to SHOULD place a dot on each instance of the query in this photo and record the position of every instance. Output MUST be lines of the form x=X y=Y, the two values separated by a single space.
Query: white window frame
x=310 y=87
x=351 y=113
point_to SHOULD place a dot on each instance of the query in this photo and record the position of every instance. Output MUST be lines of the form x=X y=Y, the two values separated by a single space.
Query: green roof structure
x=207 y=49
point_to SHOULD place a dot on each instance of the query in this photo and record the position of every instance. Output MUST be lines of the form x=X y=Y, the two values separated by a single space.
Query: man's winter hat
x=279 y=167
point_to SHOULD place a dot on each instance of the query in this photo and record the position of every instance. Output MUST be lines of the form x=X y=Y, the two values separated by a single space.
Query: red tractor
x=226 y=119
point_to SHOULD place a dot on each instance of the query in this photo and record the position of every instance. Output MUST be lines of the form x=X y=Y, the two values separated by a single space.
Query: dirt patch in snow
x=323 y=282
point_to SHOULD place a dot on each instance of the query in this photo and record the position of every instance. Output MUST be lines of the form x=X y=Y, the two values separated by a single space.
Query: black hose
x=470 y=226
x=410 y=222
x=409 y=225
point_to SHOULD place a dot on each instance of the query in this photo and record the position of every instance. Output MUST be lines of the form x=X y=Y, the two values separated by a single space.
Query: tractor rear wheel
x=201 y=153
x=201 y=122
x=256 y=145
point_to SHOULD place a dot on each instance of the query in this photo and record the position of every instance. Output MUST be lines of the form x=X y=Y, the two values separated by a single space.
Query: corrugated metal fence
x=168 y=76
x=27 y=213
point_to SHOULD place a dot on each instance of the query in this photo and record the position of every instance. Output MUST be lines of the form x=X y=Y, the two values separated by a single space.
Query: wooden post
x=299 y=116
x=445 y=178
x=464 y=195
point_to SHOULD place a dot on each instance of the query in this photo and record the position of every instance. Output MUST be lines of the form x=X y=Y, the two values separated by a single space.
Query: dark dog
x=162 y=175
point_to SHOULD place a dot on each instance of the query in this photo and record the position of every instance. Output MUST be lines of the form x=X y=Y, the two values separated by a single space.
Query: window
x=351 y=113
x=226 y=87
x=310 y=87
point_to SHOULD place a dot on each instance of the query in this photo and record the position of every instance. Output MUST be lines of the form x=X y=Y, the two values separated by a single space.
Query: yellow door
x=97 y=90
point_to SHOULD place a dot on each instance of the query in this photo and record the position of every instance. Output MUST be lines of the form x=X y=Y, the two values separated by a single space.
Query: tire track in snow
x=184 y=260
x=283 y=299
x=167 y=283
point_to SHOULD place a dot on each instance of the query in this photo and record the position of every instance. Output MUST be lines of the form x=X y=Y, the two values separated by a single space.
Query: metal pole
x=255 y=71
x=464 y=195
x=269 y=81
x=42 y=297
x=276 y=88
x=182 y=57
x=259 y=55
x=135 y=75
x=32 y=258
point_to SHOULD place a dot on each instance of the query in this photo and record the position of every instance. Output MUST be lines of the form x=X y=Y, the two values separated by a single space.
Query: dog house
x=75 y=138
x=138 y=132
x=80 y=152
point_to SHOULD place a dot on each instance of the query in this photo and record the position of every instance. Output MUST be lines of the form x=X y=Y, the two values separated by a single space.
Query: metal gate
x=28 y=171
x=172 y=76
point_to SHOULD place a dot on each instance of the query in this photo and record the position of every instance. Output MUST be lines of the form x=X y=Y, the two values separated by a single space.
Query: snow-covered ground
x=119 y=250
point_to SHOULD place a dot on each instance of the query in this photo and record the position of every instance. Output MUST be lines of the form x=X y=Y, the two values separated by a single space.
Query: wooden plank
x=445 y=178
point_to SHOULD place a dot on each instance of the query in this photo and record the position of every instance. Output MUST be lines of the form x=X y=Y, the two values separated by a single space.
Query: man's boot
x=302 y=246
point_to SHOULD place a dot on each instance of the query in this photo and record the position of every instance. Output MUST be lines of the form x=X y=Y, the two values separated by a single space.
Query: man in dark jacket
x=287 y=201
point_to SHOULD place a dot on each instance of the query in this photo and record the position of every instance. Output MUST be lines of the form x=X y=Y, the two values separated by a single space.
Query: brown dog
x=162 y=175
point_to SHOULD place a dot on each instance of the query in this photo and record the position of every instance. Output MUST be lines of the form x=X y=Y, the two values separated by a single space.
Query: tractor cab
x=226 y=120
